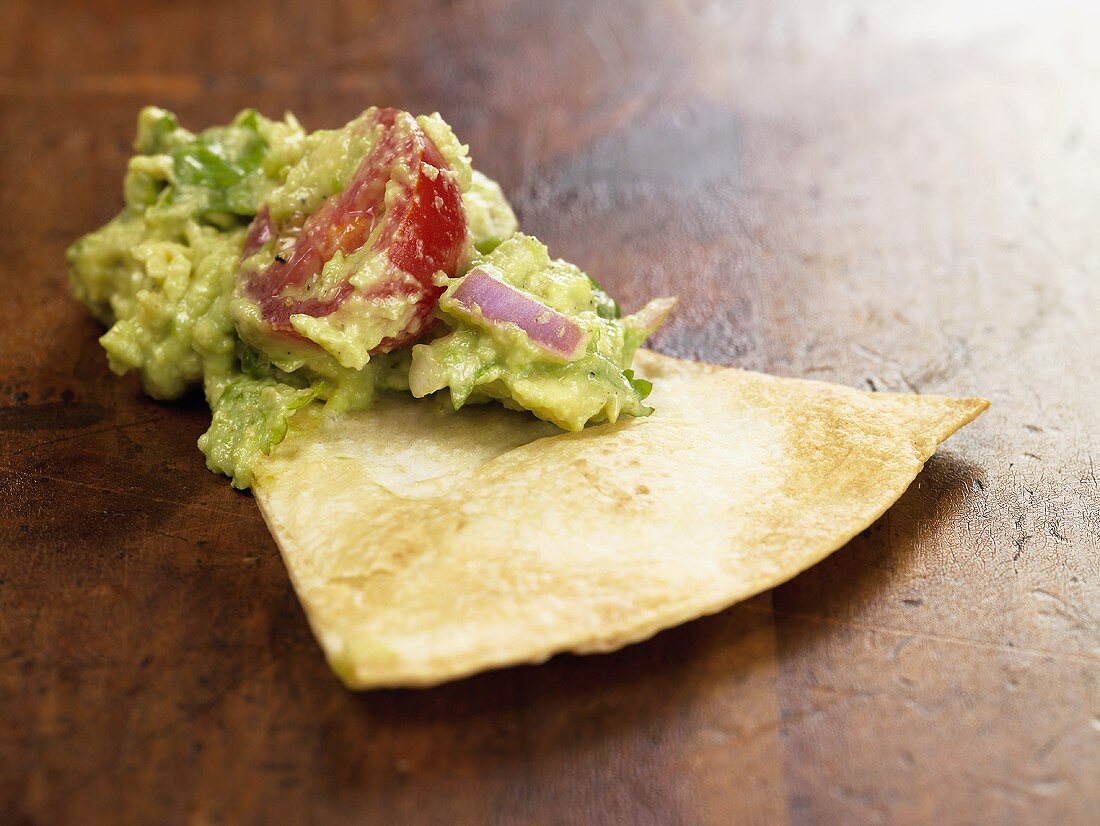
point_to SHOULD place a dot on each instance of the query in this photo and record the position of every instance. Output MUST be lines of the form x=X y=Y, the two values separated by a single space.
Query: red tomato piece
x=422 y=233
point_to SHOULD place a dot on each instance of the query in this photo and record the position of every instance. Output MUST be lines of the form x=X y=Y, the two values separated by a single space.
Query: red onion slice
x=482 y=294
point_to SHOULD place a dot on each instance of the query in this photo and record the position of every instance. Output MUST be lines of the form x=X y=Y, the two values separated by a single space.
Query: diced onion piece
x=495 y=302
x=426 y=373
x=653 y=314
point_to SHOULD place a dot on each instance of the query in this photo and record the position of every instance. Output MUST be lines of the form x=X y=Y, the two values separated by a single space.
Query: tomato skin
x=422 y=233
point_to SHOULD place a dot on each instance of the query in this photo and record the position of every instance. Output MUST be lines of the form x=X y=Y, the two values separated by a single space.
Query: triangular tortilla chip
x=427 y=546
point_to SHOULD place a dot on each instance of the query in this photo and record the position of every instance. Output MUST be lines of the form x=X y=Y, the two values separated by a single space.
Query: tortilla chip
x=427 y=546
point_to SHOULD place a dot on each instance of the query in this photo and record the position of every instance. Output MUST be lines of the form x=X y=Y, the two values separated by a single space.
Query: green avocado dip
x=278 y=268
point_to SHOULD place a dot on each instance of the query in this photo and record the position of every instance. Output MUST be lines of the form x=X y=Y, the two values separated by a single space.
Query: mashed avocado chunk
x=281 y=270
x=481 y=360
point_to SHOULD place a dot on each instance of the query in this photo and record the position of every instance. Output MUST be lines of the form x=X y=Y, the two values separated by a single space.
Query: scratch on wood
x=896 y=652
x=245 y=513
x=1041 y=787
x=83 y=434
x=948 y=639
x=1058 y=606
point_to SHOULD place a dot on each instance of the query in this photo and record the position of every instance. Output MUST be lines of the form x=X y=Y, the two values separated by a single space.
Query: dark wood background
x=893 y=195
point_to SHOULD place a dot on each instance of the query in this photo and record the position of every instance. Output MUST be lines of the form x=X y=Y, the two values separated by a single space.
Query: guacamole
x=279 y=269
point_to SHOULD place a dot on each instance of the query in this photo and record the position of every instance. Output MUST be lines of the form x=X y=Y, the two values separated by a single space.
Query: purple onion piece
x=500 y=303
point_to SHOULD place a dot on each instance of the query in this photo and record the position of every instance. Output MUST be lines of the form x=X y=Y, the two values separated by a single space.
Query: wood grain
x=894 y=195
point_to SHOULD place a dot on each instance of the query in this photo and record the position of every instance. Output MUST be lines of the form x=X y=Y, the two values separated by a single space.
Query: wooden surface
x=893 y=195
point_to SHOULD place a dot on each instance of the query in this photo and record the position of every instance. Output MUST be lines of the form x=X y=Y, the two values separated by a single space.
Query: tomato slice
x=422 y=232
